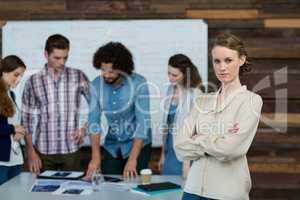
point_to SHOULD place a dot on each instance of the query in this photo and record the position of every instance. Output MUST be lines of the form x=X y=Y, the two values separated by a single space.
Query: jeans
x=8 y=172
x=188 y=196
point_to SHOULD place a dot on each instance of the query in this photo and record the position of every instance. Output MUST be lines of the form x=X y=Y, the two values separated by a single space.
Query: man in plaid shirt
x=51 y=110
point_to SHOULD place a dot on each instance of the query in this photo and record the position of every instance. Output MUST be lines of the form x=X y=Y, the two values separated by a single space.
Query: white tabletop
x=19 y=187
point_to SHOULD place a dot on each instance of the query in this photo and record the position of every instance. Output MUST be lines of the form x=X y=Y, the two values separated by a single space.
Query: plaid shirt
x=50 y=109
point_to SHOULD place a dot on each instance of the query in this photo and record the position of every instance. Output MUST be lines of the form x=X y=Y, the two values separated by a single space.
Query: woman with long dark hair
x=184 y=87
x=11 y=159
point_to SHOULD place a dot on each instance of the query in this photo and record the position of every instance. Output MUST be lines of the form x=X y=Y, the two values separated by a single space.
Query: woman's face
x=175 y=75
x=226 y=63
x=12 y=78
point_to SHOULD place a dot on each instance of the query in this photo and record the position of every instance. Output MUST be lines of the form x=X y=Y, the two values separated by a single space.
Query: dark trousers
x=111 y=165
x=66 y=162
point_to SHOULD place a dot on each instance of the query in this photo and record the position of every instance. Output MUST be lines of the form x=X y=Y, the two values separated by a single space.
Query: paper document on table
x=46 y=185
x=74 y=188
x=118 y=186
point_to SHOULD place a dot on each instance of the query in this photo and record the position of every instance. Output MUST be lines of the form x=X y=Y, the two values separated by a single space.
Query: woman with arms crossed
x=219 y=131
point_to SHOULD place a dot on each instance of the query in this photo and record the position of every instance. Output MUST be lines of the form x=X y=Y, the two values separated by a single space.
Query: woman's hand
x=19 y=132
x=235 y=128
x=18 y=136
x=195 y=136
x=20 y=129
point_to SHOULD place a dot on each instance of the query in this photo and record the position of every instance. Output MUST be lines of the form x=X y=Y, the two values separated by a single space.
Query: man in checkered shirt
x=51 y=110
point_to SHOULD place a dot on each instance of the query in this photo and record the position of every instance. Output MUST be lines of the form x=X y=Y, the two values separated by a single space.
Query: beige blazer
x=220 y=168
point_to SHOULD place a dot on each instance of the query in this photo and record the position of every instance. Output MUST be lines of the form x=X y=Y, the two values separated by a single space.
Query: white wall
x=151 y=42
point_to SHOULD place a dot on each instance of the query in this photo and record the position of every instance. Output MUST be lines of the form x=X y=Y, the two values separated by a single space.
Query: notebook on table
x=157 y=188
x=68 y=175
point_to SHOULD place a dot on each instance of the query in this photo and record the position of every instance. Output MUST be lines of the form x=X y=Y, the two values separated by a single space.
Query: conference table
x=19 y=188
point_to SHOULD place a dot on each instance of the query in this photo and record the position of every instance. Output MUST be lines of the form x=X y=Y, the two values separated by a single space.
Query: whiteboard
x=151 y=42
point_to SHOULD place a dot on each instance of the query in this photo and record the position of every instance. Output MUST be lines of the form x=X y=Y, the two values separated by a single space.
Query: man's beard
x=112 y=81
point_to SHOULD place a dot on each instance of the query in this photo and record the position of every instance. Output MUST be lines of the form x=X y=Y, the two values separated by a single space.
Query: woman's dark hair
x=115 y=53
x=234 y=43
x=191 y=76
x=56 y=41
x=10 y=63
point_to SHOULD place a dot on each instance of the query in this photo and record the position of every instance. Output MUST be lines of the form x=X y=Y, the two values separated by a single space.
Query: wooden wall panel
x=230 y=24
x=280 y=10
x=264 y=85
x=31 y=6
x=2 y=23
x=223 y=14
x=282 y=23
x=260 y=33
x=277 y=105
